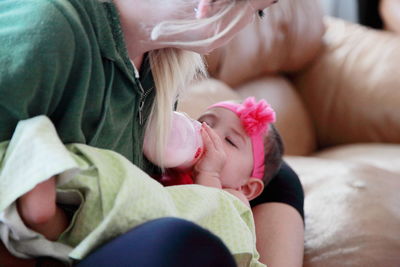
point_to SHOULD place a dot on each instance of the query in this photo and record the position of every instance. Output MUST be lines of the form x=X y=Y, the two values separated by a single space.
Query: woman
x=89 y=67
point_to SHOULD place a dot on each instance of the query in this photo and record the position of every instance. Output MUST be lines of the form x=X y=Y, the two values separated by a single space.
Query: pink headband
x=255 y=118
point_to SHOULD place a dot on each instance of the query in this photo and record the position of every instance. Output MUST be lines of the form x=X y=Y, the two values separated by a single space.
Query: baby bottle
x=184 y=144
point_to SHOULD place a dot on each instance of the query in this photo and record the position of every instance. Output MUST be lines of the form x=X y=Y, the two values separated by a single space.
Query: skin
x=228 y=159
x=136 y=24
x=39 y=211
x=280 y=235
x=228 y=148
x=279 y=227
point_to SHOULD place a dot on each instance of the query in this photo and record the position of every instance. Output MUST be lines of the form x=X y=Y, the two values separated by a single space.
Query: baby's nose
x=219 y=131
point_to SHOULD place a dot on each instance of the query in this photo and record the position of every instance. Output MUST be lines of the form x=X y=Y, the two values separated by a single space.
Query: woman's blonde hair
x=174 y=69
x=173 y=27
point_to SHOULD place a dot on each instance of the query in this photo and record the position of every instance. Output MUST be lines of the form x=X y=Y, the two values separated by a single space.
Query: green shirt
x=67 y=59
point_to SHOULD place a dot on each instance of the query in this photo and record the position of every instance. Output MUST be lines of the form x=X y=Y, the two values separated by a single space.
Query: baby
x=242 y=153
x=243 y=150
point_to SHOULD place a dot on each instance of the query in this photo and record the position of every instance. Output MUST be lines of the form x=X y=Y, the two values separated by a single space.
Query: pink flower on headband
x=255 y=116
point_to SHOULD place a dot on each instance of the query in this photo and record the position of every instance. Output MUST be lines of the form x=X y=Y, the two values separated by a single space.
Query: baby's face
x=237 y=145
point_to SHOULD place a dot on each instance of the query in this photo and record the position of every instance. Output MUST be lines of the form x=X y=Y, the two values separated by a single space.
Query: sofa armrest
x=390 y=13
x=351 y=211
x=352 y=88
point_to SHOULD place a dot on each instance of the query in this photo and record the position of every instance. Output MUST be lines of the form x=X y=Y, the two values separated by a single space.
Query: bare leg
x=280 y=235
x=39 y=211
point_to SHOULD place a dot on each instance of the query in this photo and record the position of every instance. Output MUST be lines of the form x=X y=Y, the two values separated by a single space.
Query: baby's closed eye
x=230 y=141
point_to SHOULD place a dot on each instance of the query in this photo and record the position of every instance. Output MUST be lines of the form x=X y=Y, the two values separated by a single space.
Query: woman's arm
x=280 y=234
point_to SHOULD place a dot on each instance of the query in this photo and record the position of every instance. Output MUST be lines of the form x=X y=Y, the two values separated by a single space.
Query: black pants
x=166 y=242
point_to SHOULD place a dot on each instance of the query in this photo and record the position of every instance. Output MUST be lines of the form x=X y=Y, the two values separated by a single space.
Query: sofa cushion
x=285 y=40
x=202 y=94
x=352 y=89
x=352 y=213
x=390 y=13
x=384 y=156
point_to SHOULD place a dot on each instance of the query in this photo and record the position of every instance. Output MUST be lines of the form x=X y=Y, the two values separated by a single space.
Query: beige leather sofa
x=390 y=13
x=336 y=89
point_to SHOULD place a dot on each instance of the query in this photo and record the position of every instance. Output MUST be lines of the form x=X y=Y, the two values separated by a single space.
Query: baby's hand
x=214 y=157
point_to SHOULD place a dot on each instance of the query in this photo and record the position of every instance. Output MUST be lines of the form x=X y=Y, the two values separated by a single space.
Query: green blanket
x=115 y=195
